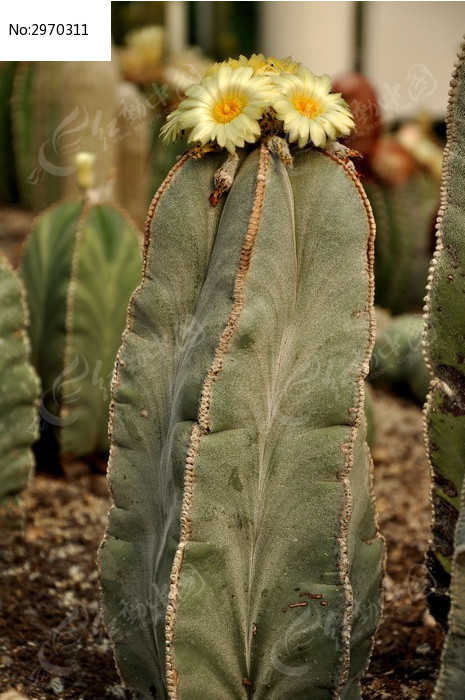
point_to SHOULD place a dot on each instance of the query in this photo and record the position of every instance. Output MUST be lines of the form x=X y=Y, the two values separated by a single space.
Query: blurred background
x=390 y=60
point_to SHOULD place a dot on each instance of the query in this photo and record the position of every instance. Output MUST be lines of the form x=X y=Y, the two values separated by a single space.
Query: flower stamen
x=228 y=109
x=307 y=106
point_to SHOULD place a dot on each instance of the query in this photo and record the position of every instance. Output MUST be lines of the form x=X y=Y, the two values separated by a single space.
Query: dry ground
x=53 y=645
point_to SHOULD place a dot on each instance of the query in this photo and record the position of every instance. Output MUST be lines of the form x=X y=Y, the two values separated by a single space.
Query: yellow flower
x=282 y=65
x=85 y=170
x=308 y=109
x=224 y=107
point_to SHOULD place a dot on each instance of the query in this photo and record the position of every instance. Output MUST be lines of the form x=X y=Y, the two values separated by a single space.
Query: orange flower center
x=307 y=106
x=228 y=109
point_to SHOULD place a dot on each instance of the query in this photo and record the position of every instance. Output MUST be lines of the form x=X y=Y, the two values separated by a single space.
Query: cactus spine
x=243 y=524
x=19 y=389
x=80 y=264
x=445 y=412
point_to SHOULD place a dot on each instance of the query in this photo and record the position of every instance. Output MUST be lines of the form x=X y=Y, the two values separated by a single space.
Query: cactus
x=134 y=143
x=404 y=215
x=397 y=359
x=444 y=412
x=19 y=389
x=399 y=173
x=59 y=108
x=243 y=531
x=80 y=264
x=7 y=174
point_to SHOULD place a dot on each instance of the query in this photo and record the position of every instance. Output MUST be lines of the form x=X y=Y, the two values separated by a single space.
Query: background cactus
x=404 y=215
x=19 y=389
x=80 y=264
x=60 y=108
x=7 y=173
x=445 y=408
x=397 y=360
x=134 y=126
x=400 y=175
x=243 y=524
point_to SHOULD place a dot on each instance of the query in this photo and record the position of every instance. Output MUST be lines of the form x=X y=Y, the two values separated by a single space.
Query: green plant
x=59 y=108
x=445 y=408
x=7 y=175
x=243 y=532
x=397 y=360
x=80 y=264
x=19 y=389
x=404 y=215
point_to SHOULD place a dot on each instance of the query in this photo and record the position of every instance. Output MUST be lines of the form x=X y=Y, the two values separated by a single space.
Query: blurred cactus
x=7 y=172
x=243 y=526
x=80 y=264
x=400 y=176
x=397 y=361
x=60 y=108
x=19 y=389
x=445 y=408
x=135 y=132
x=142 y=56
x=404 y=213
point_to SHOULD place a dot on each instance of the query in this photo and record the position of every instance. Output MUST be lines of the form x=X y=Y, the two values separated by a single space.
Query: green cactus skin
x=404 y=216
x=59 y=108
x=19 y=389
x=133 y=152
x=445 y=408
x=451 y=678
x=397 y=359
x=80 y=265
x=7 y=173
x=243 y=533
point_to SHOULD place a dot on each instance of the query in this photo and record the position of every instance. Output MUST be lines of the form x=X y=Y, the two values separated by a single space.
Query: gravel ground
x=52 y=642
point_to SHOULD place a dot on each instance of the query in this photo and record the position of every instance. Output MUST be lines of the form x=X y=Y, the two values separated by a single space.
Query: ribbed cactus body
x=19 y=389
x=243 y=534
x=404 y=217
x=80 y=265
x=445 y=409
x=60 y=108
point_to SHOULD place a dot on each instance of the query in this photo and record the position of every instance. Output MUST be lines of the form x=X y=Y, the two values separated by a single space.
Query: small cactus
x=19 y=389
x=243 y=530
x=445 y=408
x=80 y=264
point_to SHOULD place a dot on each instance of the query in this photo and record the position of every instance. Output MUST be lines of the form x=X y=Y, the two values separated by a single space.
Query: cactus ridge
x=444 y=414
x=19 y=389
x=182 y=508
x=203 y=425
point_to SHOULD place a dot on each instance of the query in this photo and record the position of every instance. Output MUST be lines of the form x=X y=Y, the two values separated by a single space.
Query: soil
x=52 y=642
